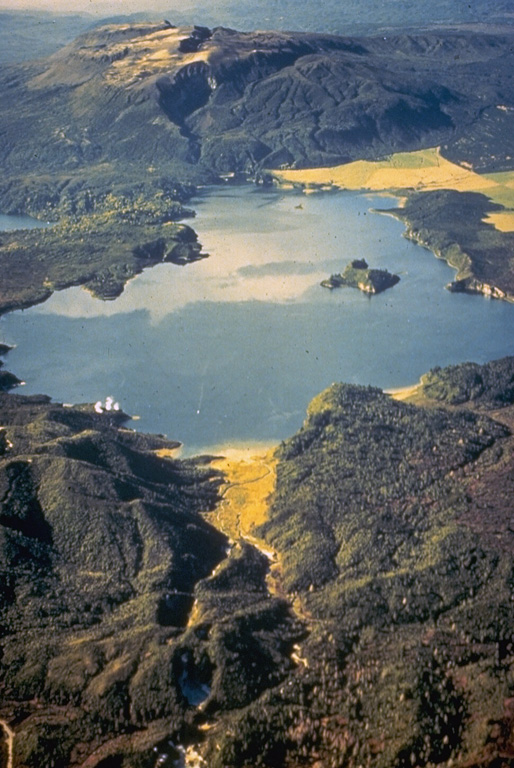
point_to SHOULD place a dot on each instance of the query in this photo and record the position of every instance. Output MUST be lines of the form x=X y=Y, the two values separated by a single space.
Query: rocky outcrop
x=470 y=285
x=8 y=380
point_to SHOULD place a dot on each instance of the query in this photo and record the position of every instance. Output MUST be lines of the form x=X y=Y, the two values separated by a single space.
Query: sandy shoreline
x=404 y=393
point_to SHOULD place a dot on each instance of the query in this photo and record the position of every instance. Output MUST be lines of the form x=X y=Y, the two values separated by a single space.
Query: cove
x=232 y=348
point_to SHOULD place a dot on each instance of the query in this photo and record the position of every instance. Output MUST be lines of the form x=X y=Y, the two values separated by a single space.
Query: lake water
x=9 y=223
x=231 y=349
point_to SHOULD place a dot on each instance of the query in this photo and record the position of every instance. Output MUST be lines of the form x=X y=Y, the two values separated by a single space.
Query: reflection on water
x=262 y=248
x=233 y=347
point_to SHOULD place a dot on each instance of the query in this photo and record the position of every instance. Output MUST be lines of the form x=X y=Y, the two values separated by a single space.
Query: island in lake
x=358 y=274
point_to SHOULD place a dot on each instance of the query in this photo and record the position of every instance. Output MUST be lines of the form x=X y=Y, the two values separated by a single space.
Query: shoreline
x=242 y=450
x=464 y=281
x=369 y=177
x=417 y=171
x=404 y=393
x=236 y=450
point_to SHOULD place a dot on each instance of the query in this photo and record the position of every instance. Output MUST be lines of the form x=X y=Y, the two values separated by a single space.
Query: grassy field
x=249 y=481
x=423 y=171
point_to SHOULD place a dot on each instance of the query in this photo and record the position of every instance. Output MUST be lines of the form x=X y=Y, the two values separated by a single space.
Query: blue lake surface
x=9 y=223
x=231 y=349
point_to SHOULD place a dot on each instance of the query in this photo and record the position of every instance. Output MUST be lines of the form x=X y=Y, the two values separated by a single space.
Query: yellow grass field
x=250 y=480
x=503 y=221
x=404 y=393
x=422 y=171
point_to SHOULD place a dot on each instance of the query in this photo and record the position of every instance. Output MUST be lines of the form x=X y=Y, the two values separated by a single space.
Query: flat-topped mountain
x=232 y=101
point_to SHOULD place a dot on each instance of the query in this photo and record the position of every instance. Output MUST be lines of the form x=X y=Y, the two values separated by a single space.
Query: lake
x=11 y=222
x=232 y=348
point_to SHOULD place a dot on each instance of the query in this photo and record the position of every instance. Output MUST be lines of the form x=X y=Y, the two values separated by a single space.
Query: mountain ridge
x=241 y=72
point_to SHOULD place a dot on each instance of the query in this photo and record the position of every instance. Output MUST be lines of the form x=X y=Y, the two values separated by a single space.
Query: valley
x=297 y=635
